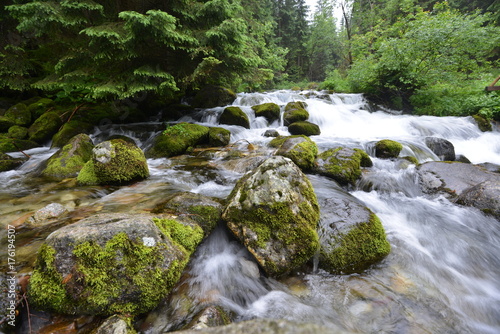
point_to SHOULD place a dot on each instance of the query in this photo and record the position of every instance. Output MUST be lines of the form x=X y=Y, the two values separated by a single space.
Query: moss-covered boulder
x=482 y=123
x=443 y=148
x=218 y=136
x=44 y=127
x=213 y=96
x=111 y=264
x=304 y=128
x=342 y=164
x=19 y=114
x=114 y=162
x=300 y=149
x=274 y=213
x=387 y=149
x=8 y=163
x=177 y=139
x=206 y=211
x=5 y=123
x=69 y=130
x=270 y=111
x=15 y=145
x=295 y=112
x=234 y=116
x=295 y=105
x=68 y=161
x=352 y=237
x=17 y=132
x=39 y=107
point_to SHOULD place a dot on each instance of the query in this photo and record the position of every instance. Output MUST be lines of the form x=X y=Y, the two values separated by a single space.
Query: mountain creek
x=441 y=275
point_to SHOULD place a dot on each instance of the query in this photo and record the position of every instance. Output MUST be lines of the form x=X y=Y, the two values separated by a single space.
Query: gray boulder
x=443 y=148
x=342 y=164
x=484 y=196
x=274 y=213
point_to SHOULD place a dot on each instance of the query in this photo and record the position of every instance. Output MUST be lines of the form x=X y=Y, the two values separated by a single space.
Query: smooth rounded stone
x=268 y=326
x=47 y=214
x=234 y=116
x=443 y=148
x=300 y=149
x=387 y=149
x=114 y=325
x=271 y=133
x=111 y=263
x=273 y=211
x=342 y=164
x=484 y=196
x=270 y=111
x=304 y=128
x=351 y=236
x=44 y=127
x=68 y=161
x=114 y=162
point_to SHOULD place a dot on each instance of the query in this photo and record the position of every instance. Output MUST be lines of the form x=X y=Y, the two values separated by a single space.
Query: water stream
x=442 y=276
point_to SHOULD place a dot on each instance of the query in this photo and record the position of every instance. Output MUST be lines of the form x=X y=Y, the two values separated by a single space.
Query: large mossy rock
x=68 y=161
x=270 y=111
x=15 y=145
x=300 y=149
x=274 y=212
x=17 y=132
x=352 y=237
x=387 y=149
x=19 y=115
x=218 y=137
x=111 y=264
x=213 y=96
x=482 y=123
x=114 y=161
x=342 y=164
x=8 y=163
x=304 y=128
x=39 y=107
x=468 y=184
x=234 y=116
x=69 y=130
x=177 y=139
x=441 y=147
x=295 y=112
x=44 y=127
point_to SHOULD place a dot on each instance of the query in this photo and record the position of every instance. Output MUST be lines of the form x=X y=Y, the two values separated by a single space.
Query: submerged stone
x=274 y=212
x=111 y=264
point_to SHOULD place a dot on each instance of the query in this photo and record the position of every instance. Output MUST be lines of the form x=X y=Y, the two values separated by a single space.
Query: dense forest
x=421 y=56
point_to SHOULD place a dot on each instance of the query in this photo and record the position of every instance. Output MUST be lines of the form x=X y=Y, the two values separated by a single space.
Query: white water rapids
x=442 y=275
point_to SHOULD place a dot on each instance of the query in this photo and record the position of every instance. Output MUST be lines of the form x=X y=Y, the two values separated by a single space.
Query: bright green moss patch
x=189 y=237
x=271 y=111
x=87 y=175
x=343 y=164
x=387 y=149
x=234 y=116
x=360 y=247
x=176 y=140
x=300 y=149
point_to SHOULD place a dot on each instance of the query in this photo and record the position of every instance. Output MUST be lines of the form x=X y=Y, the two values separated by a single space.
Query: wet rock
x=68 y=161
x=267 y=326
x=213 y=96
x=270 y=111
x=482 y=123
x=15 y=145
x=304 y=128
x=44 y=127
x=115 y=325
x=295 y=115
x=218 y=136
x=111 y=264
x=387 y=149
x=8 y=163
x=177 y=139
x=342 y=164
x=300 y=149
x=114 y=162
x=47 y=214
x=39 y=107
x=234 y=116
x=18 y=115
x=443 y=148
x=271 y=133
x=452 y=178
x=204 y=210
x=351 y=236
x=274 y=212
x=17 y=132
x=484 y=196
x=211 y=316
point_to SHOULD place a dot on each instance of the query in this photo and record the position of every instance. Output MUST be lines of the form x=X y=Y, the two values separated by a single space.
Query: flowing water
x=443 y=273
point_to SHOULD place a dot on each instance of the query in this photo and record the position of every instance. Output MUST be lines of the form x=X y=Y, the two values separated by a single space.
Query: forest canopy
x=418 y=55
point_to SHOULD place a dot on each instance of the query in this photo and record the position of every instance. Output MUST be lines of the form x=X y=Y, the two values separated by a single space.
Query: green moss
x=295 y=115
x=68 y=161
x=483 y=124
x=218 y=136
x=19 y=114
x=46 y=290
x=45 y=127
x=302 y=154
x=68 y=131
x=14 y=145
x=188 y=237
x=344 y=168
x=87 y=175
x=234 y=116
x=39 y=107
x=387 y=148
x=411 y=159
x=361 y=247
x=176 y=139
x=271 y=111
x=213 y=96
x=304 y=128
x=295 y=105
x=17 y=132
